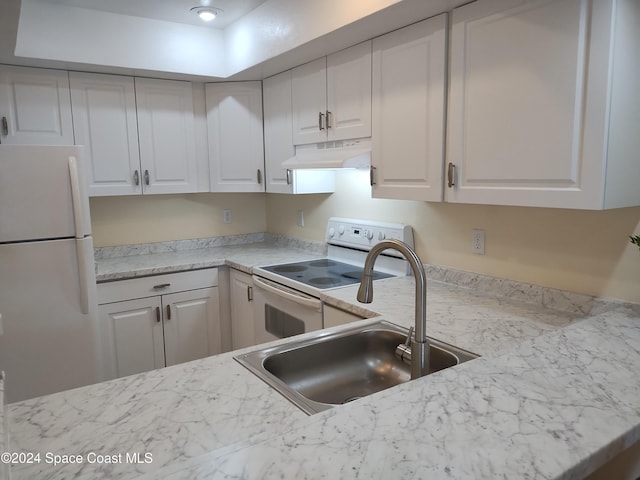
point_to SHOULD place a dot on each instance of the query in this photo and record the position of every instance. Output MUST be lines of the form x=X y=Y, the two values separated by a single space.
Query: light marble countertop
x=243 y=257
x=555 y=395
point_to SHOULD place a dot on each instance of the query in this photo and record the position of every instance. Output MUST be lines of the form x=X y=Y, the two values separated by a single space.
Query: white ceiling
x=314 y=28
x=169 y=10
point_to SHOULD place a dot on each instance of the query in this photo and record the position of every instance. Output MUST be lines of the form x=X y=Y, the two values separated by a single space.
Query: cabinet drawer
x=156 y=285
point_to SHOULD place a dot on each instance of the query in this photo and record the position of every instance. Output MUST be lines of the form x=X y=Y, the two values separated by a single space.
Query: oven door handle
x=299 y=299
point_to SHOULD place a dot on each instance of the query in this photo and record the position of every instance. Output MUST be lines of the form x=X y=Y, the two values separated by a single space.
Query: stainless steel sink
x=330 y=369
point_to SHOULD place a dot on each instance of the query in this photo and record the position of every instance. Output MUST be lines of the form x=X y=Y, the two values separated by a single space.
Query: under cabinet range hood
x=337 y=154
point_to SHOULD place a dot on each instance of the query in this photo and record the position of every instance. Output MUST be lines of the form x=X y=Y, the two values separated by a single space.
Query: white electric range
x=287 y=295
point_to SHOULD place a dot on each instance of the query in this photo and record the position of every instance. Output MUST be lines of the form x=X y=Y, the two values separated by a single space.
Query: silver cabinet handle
x=451 y=175
x=5 y=126
x=160 y=286
x=249 y=293
x=168 y=312
x=136 y=178
x=372 y=175
x=320 y=121
x=259 y=175
x=288 y=176
x=158 y=314
x=329 y=115
x=146 y=177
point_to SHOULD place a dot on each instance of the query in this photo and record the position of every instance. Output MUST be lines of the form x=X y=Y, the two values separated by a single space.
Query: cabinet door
x=409 y=88
x=35 y=106
x=133 y=337
x=527 y=107
x=191 y=325
x=278 y=133
x=242 y=318
x=104 y=120
x=234 y=123
x=278 y=144
x=167 y=136
x=309 y=102
x=349 y=93
x=334 y=316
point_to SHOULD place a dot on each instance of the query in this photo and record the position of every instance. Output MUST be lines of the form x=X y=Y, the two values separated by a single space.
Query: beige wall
x=158 y=218
x=582 y=251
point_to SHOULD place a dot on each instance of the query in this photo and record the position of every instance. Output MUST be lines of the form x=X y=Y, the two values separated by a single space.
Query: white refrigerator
x=48 y=329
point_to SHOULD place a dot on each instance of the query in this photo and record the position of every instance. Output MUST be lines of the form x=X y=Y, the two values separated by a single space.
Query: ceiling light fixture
x=206 y=13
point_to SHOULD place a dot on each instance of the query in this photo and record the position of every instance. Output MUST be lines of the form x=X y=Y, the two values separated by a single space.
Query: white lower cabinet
x=136 y=336
x=172 y=322
x=242 y=318
x=335 y=316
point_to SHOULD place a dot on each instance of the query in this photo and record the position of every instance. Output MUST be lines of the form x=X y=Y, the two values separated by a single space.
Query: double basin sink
x=333 y=368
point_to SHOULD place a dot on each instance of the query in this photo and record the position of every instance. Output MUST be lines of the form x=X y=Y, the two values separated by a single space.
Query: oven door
x=283 y=312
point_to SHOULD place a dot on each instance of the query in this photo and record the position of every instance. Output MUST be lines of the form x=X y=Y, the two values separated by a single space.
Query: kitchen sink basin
x=330 y=369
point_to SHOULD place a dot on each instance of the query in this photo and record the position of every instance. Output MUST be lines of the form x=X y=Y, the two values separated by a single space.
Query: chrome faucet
x=419 y=350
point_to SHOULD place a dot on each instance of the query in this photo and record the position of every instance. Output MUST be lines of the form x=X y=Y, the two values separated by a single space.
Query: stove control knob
x=332 y=232
x=368 y=234
x=341 y=229
x=381 y=236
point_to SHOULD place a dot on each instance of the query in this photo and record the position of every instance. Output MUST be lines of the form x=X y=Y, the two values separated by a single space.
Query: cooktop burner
x=323 y=273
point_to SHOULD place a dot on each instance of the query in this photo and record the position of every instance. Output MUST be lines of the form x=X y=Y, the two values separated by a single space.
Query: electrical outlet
x=300 y=218
x=477 y=241
x=226 y=216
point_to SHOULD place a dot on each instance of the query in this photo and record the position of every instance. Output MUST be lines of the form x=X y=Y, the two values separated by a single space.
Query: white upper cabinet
x=166 y=133
x=309 y=102
x=331 y=97
x=409 y=89
x=234 y=123
x=278 y=133
x=543 y=101
x=349 y=93
x=278 y=143
x=35 y=107
x=139 y=134
x=105 y=122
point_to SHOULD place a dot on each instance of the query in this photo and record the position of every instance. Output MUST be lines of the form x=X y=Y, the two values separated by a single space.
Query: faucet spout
x=419 y=347
x=365 y=291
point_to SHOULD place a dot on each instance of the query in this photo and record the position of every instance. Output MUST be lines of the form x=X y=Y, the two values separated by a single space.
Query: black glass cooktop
x=323 y=273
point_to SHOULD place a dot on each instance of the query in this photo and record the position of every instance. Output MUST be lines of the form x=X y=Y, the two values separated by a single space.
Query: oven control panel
x=364 y=234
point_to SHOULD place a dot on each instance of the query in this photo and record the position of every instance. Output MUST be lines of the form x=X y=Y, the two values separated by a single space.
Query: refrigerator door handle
x=83 y=274
x=83 y=260
x=75 y=196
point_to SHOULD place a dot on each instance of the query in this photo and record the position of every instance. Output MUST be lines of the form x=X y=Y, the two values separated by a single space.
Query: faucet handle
x=408 y=340
x=403 y=351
